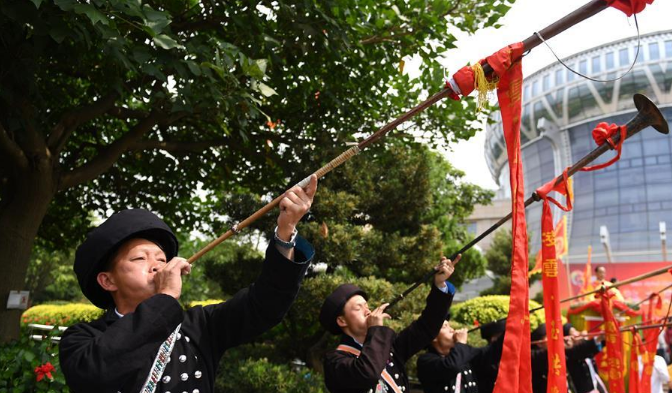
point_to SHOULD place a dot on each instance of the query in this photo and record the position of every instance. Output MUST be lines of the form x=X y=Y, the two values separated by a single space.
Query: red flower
x=43 y=370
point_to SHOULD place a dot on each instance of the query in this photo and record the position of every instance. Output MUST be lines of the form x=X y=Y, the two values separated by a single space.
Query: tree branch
x=74 y=118
x=178 y=147
x=126 y=113
x=11 y=151
x=110 y=155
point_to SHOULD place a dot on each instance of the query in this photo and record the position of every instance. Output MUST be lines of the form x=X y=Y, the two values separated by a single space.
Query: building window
x=570 y=74
x=546 y=83
x=526 y=92
x=640 y=54
x=609 y=60
x=668 y=49
x=583 y=67
x=597 y=65
x=535 y=88
x=558 y=77
x=623 y=56
x=654 y=54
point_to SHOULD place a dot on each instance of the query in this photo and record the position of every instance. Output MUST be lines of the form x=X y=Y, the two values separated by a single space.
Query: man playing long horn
x=145 y=342
x=371 y=356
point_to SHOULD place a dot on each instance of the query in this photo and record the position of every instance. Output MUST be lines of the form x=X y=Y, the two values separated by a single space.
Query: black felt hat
x=492 y=328
x=565 y=329
x=539 y=333
x=334 y=303
x=102 y=242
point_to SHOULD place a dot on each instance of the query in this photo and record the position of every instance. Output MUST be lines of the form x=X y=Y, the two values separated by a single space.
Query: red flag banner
x=515 y=374
x=557 y=373
x=633 y=381
x=614 y=344
x=650 y=345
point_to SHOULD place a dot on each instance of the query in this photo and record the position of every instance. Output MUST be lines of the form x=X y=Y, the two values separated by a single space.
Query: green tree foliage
x=121 y=103
x=498 y=259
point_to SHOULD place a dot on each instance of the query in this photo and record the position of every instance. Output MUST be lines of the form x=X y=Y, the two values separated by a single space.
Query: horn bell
x=650 y=113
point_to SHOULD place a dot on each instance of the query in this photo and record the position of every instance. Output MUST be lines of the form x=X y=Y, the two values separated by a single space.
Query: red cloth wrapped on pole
x=630 y=7
x=602 y=133
x=515 y=368
x=557 y=372
x=633 y=379
x=614 y=341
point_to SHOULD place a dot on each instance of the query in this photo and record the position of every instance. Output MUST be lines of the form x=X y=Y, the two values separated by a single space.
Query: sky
x=524 y=18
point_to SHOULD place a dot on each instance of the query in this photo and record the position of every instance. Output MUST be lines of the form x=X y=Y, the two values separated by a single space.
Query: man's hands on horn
x=293 y=206
x=444 y=270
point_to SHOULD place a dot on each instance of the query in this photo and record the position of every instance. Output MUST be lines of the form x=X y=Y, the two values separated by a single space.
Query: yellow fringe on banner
x=482 y=85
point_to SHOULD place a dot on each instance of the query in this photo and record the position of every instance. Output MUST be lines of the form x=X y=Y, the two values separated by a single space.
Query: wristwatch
x=292 y=239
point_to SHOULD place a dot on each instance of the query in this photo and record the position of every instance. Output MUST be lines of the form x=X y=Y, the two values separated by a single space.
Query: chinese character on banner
x=560 y=244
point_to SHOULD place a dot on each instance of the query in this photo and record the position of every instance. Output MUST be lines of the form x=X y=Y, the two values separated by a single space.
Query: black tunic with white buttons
x=114 y=354
x=384 y=352
x=451 y=373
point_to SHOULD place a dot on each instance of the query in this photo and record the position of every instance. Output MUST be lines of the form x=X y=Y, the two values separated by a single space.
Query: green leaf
x=194 y=68
x=155 y=20
x=37 y=3
x=264 y=89
x=166 y=42
x=29 y=356
x=65 y=5
x=262 y=64
x=92 y=13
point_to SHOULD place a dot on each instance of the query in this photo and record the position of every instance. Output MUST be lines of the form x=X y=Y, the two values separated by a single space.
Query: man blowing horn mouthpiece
x=371 y=356
x=146 y=342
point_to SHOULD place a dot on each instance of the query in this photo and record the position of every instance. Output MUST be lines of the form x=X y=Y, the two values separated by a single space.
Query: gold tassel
x=482 y=85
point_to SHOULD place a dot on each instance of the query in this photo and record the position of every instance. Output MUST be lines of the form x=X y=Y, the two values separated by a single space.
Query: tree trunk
x=21 y=213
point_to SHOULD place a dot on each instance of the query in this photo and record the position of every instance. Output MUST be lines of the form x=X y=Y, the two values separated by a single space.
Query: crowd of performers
x=146 y=342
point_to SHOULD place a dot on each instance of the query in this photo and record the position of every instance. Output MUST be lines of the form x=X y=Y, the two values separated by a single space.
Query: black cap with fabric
x=565 y=329
x=102 y=242
x=490 y=329
x=334 y=303
x=539 y=333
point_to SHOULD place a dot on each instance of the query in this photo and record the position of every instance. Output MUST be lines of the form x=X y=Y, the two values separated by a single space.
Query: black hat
x=565 y=329
x=539 y=333
x=334 y=303
x=102 y=242
x=490 y=329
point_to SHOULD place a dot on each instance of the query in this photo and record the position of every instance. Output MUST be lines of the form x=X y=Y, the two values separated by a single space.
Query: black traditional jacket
x=582 y=350
x=378 y=365
x=451 y=373
x=476 y=367
x=114 y=354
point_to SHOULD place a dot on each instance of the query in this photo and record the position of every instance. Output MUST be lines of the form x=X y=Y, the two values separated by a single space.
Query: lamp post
x=604 y=239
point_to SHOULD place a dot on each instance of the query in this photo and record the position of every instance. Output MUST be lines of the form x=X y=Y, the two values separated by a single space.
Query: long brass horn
x=648 y=115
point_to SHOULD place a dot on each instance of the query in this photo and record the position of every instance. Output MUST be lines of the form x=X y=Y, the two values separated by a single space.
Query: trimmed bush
x=61 y=315
x=259 y=375
x=485 y=309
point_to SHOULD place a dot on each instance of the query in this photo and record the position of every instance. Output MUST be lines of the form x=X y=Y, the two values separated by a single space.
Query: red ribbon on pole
x=630 y=7
x=602 y=133
x=515 y=368
x=614 y=344
x=557 y=372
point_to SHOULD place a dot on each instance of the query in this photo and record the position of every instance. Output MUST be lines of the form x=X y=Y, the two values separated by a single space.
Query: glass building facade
x=560 y=109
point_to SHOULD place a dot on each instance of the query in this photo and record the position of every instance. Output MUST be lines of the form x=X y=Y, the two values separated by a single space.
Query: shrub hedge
x=61 y=315
x=486 y=309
